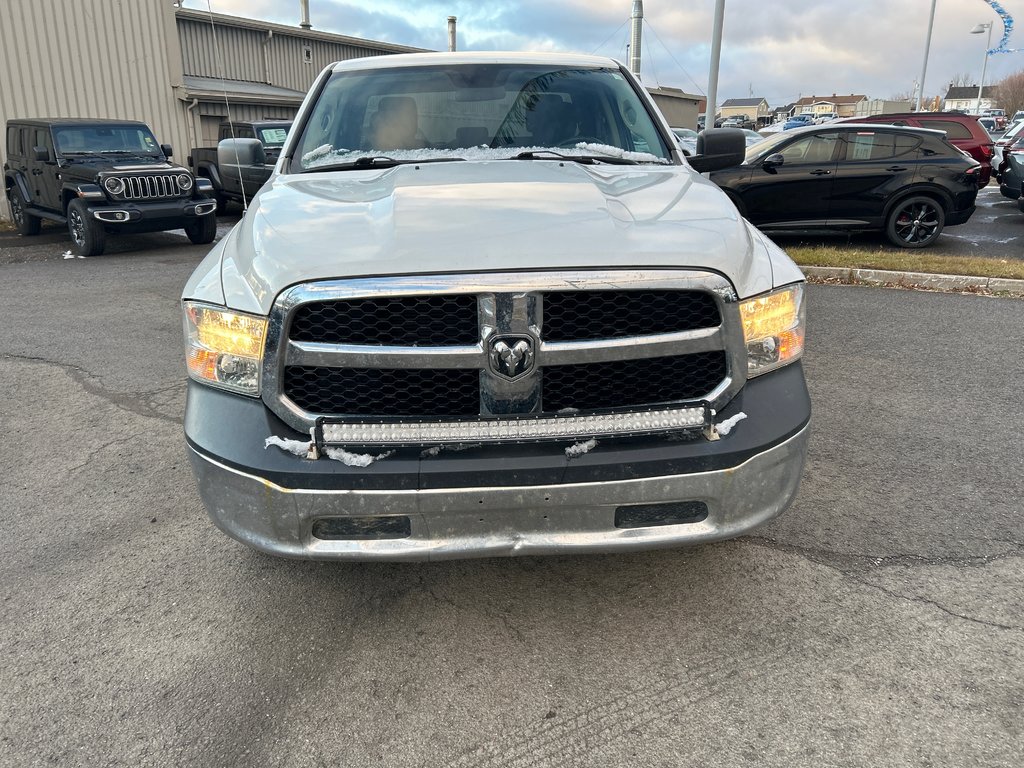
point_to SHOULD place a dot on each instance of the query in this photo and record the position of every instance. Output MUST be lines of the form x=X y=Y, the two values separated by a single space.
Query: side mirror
x=41 y=154
x=719 y=148
x=239 y=152
x=773 y=161
x=167 y=150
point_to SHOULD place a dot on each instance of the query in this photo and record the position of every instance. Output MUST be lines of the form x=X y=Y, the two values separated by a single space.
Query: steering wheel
x=571 y=143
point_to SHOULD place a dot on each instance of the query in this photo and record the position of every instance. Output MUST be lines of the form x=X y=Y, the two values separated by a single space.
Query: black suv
x=100 y=177
x=907 y=182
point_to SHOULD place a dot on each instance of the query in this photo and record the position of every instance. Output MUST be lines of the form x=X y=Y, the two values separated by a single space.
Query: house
x=784 y=113
x=756 y=109
x=678 y=107
x=843 y=106
x=965 y=98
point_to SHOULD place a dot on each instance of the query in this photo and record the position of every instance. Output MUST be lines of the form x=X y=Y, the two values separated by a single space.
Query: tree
x=1011 y=92
x=961 y=79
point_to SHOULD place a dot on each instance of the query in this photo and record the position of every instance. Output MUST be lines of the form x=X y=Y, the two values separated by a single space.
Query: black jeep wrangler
x=101 y=177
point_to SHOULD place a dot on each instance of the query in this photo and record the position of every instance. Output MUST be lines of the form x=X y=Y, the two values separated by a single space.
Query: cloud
x=779 y=50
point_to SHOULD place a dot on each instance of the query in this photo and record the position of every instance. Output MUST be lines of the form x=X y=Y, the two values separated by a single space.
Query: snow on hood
x=499 y=215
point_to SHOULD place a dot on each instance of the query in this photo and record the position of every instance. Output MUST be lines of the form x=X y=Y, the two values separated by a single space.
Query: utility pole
x=716 y=58
x=927 y=47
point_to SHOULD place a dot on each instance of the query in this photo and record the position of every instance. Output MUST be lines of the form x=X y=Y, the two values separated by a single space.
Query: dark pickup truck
x=101 y=177
x=234 y=180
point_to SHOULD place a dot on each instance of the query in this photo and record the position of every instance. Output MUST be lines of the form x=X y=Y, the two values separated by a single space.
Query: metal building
x=181 y=71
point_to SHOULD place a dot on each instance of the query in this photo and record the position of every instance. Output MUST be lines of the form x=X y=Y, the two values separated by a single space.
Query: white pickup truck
x=484 y=306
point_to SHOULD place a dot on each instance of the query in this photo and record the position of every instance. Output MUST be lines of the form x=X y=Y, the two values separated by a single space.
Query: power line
x=681 y=67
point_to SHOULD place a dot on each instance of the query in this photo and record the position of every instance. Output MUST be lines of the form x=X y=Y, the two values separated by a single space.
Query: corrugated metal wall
x=91 y=58
x=253 y=55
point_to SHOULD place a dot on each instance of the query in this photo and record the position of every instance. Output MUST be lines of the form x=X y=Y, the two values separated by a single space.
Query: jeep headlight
x=773 y=327
x=114 y=185
x=184 y=182
x=224 y=348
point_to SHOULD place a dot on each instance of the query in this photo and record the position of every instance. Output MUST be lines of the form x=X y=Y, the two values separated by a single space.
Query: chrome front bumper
x=450 y=523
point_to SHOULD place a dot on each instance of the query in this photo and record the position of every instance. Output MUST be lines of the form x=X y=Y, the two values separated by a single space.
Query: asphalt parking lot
x=878 y=622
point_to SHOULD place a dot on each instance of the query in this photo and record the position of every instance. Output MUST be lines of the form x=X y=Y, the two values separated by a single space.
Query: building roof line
x=284 y=29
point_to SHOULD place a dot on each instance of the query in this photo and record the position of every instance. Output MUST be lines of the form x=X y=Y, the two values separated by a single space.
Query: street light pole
x=716 y=57
x=984 y=64
x=927 y=47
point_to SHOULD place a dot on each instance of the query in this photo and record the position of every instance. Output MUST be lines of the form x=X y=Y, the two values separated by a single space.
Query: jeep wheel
x=86 y=233
x=26 y=223
x=203 y=230
x=915 y=222
x=222 y=203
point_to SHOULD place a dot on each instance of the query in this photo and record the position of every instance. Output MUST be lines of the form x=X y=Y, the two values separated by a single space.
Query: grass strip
x=904 y=261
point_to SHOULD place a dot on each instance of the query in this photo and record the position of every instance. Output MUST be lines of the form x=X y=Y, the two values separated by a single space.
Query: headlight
x=773 y=326
x=114 y=185
x=185 y=182
x=224 y=348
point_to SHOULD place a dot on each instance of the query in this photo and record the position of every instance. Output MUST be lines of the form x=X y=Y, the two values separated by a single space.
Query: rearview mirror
x=773 y=161
x=241 y=152
x=40 y=154
x=719 y=148
x=167 y=150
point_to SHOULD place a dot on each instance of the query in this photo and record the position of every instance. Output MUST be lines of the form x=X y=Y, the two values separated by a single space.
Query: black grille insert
x=362 y=528
x=384 y=391
x=572 y=315
x=669 y=513
x=625 y=383
x=423 y=321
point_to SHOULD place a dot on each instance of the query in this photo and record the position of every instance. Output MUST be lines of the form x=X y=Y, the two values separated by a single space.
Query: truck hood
x=502 y=215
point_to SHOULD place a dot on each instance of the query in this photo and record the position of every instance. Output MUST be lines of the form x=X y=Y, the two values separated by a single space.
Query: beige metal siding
x=256 y=56
x=91 y=58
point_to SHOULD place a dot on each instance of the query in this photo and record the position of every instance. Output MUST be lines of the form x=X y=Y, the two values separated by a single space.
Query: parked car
x=825 y=117
x=687 y=139
x=740 y=121
x=997 y=115
x=1012 y=133
x=989 y=124
x=962 y=130
x=232 y=181
x=101 y=177
x=907 y=182
x=798 y=121
x=1012 y=170
x=1017 y=116
x=483 y=306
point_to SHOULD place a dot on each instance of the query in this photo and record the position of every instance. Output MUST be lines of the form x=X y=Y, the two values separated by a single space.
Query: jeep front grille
x=488 y=345
x=150 y=187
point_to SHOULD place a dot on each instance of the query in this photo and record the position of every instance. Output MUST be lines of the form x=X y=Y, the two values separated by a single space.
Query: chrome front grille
x=420 y=348
x=151 y=187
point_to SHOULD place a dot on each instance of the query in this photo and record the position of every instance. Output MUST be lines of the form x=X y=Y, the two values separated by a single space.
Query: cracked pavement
x=880 y=621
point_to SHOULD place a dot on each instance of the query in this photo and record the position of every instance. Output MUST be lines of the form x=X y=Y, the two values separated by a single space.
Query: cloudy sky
x=778 y=49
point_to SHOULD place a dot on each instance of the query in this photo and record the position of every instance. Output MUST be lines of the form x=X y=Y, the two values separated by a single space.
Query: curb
x=917 y=279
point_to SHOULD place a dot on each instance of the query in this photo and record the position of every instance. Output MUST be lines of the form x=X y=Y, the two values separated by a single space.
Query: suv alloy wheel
x=26 y=223
x=915 y=222
x=86 y=233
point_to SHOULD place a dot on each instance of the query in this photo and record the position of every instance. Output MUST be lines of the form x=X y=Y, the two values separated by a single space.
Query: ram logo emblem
x=511 y=356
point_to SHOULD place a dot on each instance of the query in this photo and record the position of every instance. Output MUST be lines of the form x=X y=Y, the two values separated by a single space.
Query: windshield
x=273 y=137
x=477 y=111
x=105 y=140
x=766 y=147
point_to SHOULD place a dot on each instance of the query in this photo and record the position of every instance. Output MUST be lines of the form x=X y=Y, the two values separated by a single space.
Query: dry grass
x=851 y=257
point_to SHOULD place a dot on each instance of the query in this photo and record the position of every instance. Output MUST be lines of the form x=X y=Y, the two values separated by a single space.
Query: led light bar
x=510 y=429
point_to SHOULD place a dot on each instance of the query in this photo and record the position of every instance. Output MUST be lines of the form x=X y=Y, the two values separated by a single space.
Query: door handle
x=820 y=172
x=895 y=168
x=36 y=172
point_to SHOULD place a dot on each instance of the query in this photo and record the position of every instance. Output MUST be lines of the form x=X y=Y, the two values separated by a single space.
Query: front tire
x=915 y=222
x=26 y=223
x=87 y=234
x=203 y=230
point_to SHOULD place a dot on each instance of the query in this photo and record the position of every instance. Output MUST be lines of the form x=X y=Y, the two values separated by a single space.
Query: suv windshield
x=105 y=139
x=474 y=112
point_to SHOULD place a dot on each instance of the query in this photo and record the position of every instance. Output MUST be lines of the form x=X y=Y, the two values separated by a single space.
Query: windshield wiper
x=549 y=154
x=377 y=161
